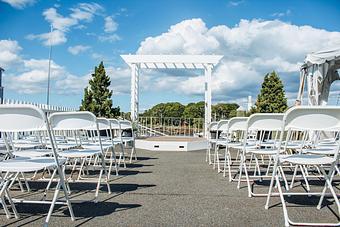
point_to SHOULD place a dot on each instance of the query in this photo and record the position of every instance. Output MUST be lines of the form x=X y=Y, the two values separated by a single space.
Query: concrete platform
x=172 y=143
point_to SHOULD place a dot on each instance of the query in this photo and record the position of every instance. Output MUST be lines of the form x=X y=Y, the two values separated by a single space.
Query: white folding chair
x=109 y=143
x=221 y=138
x=128 y=140
x=308 y=119
x=235 y=130
x=90 y=150
x=266 y=127
x=117 y=139
x=21 y=118
x=211 y=142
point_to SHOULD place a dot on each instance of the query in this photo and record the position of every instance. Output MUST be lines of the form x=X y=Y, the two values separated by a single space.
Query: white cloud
x=75 y=50
x=9 y=53
x=83 y=12
x=19 y=4
x=29 y=76
x=97 y=56
x=281 y=14
x=251 y=49
x=109 y=38
x=72 y=84
x=235 y=3
x=110 y=25
x=86 y=11
x=33 y=79
x=53 y=38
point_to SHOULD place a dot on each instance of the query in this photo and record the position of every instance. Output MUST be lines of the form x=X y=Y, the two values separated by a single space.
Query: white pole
x=249 y=103
x=49 y=69
x=207 y=98
x=134 y=92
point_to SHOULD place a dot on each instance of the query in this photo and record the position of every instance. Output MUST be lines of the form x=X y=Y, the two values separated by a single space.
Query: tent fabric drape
x=320 y=71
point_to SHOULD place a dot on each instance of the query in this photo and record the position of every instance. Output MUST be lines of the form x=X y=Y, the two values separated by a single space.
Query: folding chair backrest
x=125 y=124
x=213 y=126
x=21 y=118
x=222 y=125
x=115 y=124
x=313 y=118
x=103 y=123
x=73 y=121
x=265 y=121
x=237 y=123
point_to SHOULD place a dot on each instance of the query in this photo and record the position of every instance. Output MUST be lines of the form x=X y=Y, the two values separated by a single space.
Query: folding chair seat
x=307 y=159
x=33 y=153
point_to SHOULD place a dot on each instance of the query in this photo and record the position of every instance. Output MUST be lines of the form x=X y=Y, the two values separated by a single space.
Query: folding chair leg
x=2 y=199
x=240 y=172
x=328 y=179
x=50 y=182
x=247 y=178
x=14 y=209
x=229 y=167
x=214 y=157
x=225 y=163
x=305 y=177
x=26 y=183
x=271 y=184
x=55 y=196
x=98 y=185
x=293 y=178
x=4 y=205
x=283 y=177
x=284 y=208
x=113 y=157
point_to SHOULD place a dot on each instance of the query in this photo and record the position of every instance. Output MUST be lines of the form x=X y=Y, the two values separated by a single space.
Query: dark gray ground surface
x=169 y=189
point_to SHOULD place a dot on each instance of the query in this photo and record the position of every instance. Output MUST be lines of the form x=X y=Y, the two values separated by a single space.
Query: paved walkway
x=168 y=189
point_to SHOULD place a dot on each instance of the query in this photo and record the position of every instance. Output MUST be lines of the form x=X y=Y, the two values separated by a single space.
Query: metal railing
x=171 y=126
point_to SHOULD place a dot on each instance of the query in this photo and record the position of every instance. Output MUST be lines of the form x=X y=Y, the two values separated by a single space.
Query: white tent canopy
x=203 y=62
x=320 y=71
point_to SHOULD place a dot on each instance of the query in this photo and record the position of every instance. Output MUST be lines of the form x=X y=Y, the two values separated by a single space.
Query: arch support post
x=134 y=107
x=207 y=99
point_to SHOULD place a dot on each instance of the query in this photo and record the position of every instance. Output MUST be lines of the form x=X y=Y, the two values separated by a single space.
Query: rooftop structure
x=203 y=62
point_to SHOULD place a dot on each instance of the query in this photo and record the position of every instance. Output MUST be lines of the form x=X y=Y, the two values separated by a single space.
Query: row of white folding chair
x=313 y=119
x=122 y=126
x=273 y=123
x=20 y=118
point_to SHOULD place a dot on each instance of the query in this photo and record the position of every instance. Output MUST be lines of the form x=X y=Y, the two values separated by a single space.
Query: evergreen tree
x=272 y=97
x=97 y=97
x=86 y=103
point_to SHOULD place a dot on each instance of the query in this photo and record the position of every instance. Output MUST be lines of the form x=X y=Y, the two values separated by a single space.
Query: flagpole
x=49 y=69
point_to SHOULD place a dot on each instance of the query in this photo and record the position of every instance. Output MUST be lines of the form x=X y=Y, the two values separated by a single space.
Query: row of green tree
x=98 y=100
x=192 y=110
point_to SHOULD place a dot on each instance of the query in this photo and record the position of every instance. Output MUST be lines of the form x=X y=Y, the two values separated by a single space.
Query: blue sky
x=255 y=37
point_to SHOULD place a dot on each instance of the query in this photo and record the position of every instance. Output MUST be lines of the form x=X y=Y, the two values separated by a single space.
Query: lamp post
x=1 y=87
x=49 y=69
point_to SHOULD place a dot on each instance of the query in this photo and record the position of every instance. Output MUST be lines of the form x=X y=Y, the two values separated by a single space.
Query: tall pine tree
x=272 y=97
x=97 y=96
